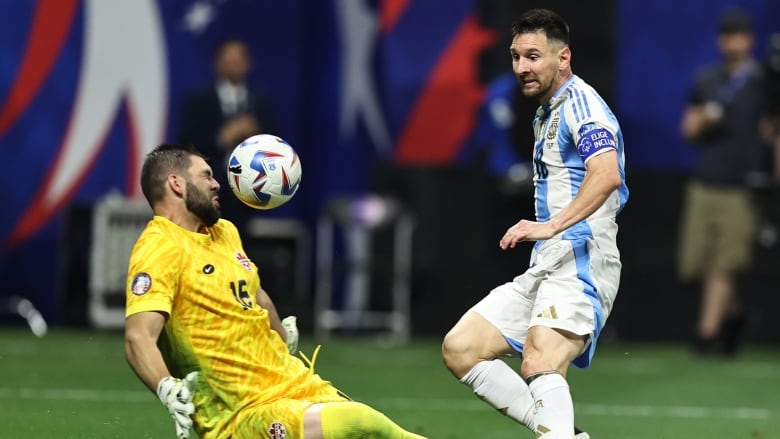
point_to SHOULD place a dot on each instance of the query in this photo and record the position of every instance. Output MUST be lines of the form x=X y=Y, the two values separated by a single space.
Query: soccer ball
x=264 y=171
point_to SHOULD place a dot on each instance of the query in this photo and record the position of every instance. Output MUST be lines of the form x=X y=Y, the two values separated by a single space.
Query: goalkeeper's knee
x=353 y=420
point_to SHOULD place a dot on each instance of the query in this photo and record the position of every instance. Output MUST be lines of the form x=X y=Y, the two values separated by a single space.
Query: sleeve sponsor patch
x=595 y=140
x=141 y=285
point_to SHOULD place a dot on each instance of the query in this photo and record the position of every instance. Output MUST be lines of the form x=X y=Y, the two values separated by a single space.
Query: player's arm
x=264 y=300
x=601 y=179
x=286 y=328
x=141 y=333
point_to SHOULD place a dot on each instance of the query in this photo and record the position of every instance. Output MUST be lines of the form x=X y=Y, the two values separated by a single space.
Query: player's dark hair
x=161 y=162
x=542 y=20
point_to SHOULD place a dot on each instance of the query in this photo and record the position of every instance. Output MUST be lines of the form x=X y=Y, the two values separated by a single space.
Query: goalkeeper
x=203 y=334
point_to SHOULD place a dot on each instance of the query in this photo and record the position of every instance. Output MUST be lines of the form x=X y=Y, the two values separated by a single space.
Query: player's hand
x=526 y=230
x=292 y=333
x=176 y=394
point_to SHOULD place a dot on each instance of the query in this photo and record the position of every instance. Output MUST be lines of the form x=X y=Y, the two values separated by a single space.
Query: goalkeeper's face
x=202 y=197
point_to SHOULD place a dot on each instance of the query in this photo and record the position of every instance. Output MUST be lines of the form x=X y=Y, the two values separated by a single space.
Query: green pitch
x=77 y=385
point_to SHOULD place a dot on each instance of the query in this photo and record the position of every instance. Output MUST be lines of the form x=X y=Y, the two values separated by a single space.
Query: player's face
x=537 y=63
x=201 y=198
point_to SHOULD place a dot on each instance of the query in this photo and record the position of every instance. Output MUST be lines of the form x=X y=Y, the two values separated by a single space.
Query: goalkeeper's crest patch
x=142 y=283
x=277 y=430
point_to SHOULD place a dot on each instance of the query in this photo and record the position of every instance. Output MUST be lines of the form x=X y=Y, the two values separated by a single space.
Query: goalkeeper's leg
x=353 y=420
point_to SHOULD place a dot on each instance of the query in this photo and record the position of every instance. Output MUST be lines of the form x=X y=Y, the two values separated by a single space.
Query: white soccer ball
x=264 y=171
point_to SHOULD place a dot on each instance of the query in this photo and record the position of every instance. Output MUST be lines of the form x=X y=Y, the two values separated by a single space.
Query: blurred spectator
x=719 y=218
x=771 y=125
x=495 y=136
x=218 y=117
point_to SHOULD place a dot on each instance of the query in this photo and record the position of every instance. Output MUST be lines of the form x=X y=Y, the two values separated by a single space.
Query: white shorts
x=570 y=285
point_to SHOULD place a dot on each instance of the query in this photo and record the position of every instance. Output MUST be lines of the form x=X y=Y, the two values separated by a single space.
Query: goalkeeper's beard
x=200 y=205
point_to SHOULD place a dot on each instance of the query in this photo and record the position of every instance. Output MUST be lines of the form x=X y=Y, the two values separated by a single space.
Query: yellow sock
x=353 y=420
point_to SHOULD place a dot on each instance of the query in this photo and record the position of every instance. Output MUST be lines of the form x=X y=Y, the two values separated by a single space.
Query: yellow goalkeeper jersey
x=206 y=284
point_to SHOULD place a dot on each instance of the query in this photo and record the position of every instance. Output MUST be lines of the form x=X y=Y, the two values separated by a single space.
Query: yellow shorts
x=717 y=231
x=283 y=418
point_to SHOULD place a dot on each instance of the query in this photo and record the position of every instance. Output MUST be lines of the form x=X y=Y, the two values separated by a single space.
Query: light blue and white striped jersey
x=575 y=125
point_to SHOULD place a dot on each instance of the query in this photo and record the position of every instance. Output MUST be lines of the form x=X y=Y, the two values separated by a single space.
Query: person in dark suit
x=220 y=116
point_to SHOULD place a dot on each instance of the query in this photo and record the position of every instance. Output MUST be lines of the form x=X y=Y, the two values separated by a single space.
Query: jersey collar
x=557 y=98
x=170 y=225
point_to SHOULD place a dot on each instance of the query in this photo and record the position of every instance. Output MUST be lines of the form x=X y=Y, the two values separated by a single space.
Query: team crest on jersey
x=142 y=282
x=243 y=260
x=277 y=430
x=552 y=128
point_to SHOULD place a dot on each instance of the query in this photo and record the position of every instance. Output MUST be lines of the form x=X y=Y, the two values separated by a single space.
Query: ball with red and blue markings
x=264 y=171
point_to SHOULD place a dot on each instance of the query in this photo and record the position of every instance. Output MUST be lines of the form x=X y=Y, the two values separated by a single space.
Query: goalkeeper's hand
x=292 y=333
x=176 y=394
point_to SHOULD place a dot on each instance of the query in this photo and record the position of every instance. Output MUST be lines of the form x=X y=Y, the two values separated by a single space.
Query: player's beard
x=200 y=204
x=543 y=89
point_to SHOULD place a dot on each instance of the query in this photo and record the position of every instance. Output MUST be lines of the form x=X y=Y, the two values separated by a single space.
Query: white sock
x=504 y=389
x=554 y=415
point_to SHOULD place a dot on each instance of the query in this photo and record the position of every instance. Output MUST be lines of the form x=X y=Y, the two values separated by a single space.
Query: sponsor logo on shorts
x=549 y=313
x=277 y=430
x=142 y=282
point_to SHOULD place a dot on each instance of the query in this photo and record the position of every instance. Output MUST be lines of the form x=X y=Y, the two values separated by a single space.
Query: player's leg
x=492 y=380
x=570 y=308
x=471 y=349
x=350 y=420
x=546 y=358
x=472 y=340
x=282 y=418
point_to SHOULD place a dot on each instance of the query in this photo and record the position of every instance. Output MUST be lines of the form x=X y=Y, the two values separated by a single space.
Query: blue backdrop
x=661 y=45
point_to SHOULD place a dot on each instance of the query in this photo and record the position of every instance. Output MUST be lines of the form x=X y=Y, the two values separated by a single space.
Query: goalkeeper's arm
x=141 y=333
x=286 y=328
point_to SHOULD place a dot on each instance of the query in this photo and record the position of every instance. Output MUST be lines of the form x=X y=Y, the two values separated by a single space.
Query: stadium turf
x=76 y=384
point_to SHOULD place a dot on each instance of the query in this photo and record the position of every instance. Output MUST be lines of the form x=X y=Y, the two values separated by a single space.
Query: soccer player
x=553 y=313
x=195 y=309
